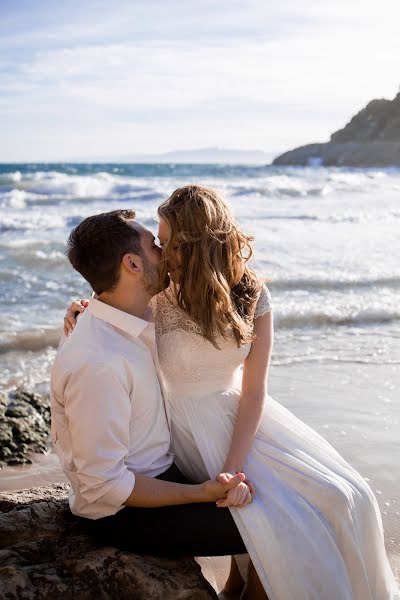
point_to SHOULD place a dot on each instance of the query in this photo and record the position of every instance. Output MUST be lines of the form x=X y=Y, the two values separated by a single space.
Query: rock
x=378 y=122
x=46 y=553
x=24 y=426
x=370 y=139
x=349 y=154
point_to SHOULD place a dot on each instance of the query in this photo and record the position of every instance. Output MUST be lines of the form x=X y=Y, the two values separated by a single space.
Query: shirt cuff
x=119 y=493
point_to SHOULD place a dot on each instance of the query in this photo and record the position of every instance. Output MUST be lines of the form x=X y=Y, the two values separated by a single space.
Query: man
x=109 y=422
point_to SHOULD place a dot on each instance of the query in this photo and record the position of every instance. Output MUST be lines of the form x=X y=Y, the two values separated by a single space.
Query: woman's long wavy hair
x=217 y=289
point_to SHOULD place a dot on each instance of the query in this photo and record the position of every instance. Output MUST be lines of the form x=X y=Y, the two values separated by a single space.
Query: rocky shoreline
x=47 y=553
x=24 y=426
x=370 y=139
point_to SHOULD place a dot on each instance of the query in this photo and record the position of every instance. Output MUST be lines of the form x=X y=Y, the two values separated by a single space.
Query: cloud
x=269 y=77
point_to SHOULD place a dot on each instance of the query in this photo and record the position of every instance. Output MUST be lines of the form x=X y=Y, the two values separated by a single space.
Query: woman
x=314 y=529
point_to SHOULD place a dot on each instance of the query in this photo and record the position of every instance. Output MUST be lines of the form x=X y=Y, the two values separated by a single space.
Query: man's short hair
x=96 y=247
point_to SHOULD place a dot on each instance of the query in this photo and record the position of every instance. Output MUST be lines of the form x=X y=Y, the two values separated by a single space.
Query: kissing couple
x=163 y=423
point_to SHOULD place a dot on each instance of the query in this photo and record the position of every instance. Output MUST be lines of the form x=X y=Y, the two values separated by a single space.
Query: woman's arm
x=254 y=389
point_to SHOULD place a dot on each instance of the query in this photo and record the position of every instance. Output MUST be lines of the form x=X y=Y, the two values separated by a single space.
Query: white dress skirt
x=314 y=530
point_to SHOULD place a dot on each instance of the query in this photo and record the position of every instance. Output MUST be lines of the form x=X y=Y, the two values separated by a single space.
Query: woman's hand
x=218 y=488
x=239 y=496
x=71 y=315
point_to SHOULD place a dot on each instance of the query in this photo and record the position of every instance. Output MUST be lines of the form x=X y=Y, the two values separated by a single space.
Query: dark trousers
x=184 y=530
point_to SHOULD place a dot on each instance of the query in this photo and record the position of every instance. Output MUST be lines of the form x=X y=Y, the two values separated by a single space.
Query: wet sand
x=45 y=470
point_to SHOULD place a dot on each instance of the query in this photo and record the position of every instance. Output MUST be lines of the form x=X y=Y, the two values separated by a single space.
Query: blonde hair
x=217 y=289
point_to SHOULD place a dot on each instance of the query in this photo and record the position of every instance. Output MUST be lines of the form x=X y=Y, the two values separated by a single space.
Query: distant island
x=370 y=139
x=199 y=155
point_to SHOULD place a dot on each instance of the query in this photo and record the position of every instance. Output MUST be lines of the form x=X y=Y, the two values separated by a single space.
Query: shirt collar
x=123 y=320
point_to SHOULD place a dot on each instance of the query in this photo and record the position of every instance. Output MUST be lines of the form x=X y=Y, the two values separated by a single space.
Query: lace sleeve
x=264 y=303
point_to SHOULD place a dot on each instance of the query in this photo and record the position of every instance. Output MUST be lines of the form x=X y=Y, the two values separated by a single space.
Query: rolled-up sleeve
x=98 y=409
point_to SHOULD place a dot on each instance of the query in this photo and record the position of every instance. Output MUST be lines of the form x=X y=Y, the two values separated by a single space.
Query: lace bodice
x=186 y=358
x=169 y=316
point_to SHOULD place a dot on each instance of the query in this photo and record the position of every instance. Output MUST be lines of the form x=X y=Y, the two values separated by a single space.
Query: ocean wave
x=281 y=186
x=321 y=319
x=328 y=357
x=339 y=285
x=149 y=182
x=11 y=177
x=317 y=183
x=20 y=198
x=21 y=222
x=40 y=339
x=359 y=217
x=17 y=198
x=283 y=217
x=53 y=186
x=31 y=340
x=38 y=259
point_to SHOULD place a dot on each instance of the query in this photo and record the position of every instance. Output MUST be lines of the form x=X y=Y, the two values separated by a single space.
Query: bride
x=313 y=530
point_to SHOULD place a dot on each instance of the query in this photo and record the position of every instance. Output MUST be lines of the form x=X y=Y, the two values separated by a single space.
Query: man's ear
x=132 y=263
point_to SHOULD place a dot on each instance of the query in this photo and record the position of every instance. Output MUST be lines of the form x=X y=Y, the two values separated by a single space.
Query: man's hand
x=71 y=315
x=150 y=491
x=240 y=495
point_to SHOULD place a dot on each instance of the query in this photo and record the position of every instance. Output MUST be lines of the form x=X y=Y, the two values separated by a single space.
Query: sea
x=326 y=239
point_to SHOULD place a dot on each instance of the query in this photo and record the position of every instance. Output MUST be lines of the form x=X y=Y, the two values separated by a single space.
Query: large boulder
x=46 y=553
x=24 y=426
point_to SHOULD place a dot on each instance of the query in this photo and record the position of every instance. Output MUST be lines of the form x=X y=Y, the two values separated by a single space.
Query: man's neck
x=133 y=302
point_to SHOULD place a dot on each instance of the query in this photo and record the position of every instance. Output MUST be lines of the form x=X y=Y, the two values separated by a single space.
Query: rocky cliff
x=371 y=138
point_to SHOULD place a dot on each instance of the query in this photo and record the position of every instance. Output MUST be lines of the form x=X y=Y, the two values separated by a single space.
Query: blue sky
x=95 y=78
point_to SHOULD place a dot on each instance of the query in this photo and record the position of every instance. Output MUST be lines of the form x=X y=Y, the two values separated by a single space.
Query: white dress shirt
x=109 y=418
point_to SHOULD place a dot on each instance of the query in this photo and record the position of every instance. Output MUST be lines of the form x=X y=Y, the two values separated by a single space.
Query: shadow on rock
x=47 y=553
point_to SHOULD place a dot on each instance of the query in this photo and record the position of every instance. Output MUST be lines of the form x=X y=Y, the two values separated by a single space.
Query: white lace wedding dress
x=314 y=530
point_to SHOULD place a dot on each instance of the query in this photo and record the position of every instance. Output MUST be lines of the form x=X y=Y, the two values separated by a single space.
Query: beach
x=326 y=239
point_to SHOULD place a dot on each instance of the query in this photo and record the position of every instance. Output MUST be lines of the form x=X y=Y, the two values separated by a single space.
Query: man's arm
x=150 y=492
x=98 y=409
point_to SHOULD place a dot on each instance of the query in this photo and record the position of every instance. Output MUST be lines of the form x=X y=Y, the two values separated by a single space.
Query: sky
x=98 y=78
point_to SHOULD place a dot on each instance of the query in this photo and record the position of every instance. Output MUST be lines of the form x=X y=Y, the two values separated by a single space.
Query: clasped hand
x=238 y=496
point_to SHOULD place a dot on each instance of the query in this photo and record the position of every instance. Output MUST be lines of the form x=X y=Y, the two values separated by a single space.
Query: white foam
x=293 y=183
x=56 y=185
x=16 y=176
x=17 y=199
x=36 y=221
x=53 y=256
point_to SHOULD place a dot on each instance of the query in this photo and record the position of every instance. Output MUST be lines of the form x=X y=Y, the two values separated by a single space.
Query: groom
x=109 y=422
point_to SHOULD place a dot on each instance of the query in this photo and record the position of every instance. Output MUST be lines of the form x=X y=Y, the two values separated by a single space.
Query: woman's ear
x=132 y=263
